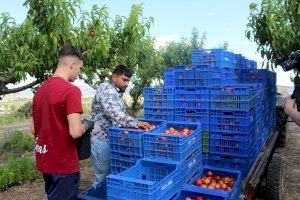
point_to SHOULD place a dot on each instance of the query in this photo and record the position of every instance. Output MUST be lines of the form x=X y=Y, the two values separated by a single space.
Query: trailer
x=265 y=179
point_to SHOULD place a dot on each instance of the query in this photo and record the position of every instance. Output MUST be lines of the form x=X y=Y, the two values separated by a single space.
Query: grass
x=11 y=119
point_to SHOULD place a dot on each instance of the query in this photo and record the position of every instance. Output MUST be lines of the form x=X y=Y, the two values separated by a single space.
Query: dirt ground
x=290 y=153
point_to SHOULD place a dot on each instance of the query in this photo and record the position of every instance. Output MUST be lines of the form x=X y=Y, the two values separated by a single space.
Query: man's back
x=55 y=148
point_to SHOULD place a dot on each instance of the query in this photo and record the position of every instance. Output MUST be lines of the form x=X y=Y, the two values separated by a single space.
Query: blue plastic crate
x=169 y=77
x=235 y=174
x=159 y=103
x=193 y=115
x=159 y=114
x=184 y=194
x=240 y=61
x=147 y=180
x=190 y=104
x=194 y=73
x=128 y=140
x=253 y=64
x=159 y=93
x=228 y=122
x=175 y=147
x=93 y=193
x=192 y=93
x=216 y=58
x=191 y=165
x=242 y=163
x=120 y=162
x=255 y=76
x=232 y=145
x=204 y=82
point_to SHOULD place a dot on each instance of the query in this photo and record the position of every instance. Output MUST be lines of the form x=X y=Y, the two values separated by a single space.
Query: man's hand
x=289 y=104
x=144 y=125
x=88 y=125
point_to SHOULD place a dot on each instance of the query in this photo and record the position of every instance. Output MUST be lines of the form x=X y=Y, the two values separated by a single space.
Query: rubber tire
x=275 y=179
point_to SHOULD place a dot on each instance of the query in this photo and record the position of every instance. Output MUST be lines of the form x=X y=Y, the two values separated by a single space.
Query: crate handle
x=190 y=111
x=162 y=138
x=227 y=113
x=187 y=68
x=227 y=157
x=190 y=89
x=228 y=134
x=158 y=91
x=228 y=89
x=124 y=155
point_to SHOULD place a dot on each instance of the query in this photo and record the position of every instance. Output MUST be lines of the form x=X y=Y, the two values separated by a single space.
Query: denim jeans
x=62 y=186
x=101 y=161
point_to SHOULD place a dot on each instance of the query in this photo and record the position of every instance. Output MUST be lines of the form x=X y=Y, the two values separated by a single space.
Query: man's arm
x=32 y=127
x=290 y=108
x=76 y=128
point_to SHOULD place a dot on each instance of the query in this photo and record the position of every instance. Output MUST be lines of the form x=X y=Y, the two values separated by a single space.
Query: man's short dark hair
x=123 y=70
x=69 y=51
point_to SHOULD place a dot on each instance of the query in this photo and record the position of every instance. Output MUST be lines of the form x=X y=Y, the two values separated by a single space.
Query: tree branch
x=7 y=80
x=87 y=82
x=14 y=90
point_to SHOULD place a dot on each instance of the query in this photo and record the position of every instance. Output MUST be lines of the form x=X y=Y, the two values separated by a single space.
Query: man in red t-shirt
x=57 y=123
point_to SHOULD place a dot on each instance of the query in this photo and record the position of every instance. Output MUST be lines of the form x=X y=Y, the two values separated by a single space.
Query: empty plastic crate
x=169 y=77
x=191 y=165
x=159 y=114
x=128 y=140
x=193 y=115
x=216 y=58
x=192 y=93
x=175 y=147
x=120 y=162
x=159 y=103
x=158 y=93
x=147 y=180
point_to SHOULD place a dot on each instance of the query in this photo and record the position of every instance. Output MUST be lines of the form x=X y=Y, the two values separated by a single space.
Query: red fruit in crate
x=199 y=198
x=188 y=198
x=209 y=174
x=231 y=183
x=218 y=186
x=125 y=132
x=224 y=186
x=217 y=178
x=199 y=182
x=167 y=131
x=229 y=188
x=204 y=186
x=211 y=187
x=207 y=181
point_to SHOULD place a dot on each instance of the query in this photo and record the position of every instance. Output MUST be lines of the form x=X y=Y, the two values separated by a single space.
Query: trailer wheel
x=274 y=181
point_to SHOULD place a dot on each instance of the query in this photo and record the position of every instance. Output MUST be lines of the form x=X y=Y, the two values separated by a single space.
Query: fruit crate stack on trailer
x=209 y=117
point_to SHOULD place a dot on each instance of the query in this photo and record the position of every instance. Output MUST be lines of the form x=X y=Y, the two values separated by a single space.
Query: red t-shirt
x=55 y=148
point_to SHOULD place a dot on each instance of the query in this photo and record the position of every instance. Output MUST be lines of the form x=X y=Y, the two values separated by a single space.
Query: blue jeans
x=61 y=186
x=101 y=161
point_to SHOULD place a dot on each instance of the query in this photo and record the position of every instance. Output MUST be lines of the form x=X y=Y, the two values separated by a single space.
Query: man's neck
x=60 y=73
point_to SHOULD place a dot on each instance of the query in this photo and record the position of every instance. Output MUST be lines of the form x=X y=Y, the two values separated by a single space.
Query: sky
x=222 y=20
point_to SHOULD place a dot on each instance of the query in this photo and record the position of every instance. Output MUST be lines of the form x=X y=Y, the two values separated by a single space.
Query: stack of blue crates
x=232 y=99
x=230 y=106
x=169 y=161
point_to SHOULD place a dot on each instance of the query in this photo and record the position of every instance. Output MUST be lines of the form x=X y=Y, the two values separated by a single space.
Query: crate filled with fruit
x=216 y=181
x=174 y=141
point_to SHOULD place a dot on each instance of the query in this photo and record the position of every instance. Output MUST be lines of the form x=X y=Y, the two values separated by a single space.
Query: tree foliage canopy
x=275 y=27
x=31 y=48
